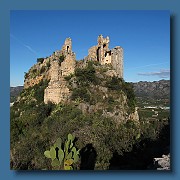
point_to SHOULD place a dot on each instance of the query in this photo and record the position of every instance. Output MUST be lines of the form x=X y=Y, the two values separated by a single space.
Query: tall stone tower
x=57 y=90
x=117 y=60
x=103 y=47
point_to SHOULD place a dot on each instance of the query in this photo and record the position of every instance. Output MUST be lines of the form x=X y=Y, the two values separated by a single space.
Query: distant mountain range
x=155 y=89
x=15 y=91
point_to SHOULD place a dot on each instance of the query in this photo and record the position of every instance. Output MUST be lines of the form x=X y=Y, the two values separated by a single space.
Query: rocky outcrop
x=162 y=163
x=34 y=81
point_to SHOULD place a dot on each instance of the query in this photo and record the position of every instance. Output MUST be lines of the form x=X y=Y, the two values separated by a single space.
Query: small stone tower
x=67 y=47
x=102 y=49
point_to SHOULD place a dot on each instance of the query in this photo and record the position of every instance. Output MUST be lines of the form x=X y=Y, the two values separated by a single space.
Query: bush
x=39 y=90
x=43 y=69
x=61 y=59
x=80 y=93
x=48 y=64
x=118 y=84
x=114 y=83
x=40 y=60
x=67 y=78
x=25 y=75
x=87 y=75
x=38 y=127
x=128 y=89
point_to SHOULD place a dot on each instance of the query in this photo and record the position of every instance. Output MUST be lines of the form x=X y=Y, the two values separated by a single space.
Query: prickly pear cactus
x=63 y=158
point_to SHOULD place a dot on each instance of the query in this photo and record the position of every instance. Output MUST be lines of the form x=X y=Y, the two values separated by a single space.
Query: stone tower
x=57 y=90
x=117 y=60
x=67 y=47
x=104 y=55
x=102 y=48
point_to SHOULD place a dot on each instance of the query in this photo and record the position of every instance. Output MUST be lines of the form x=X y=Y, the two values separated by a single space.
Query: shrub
x=128 y=89
x=61 y=59
x=39 y=90
x=110 y=100
x=40 y=60
x=87 y=75
x=43 y=69
x=80 y=93
x=48 y=64
x=114 y=83
x=67 y=78
x=25 y=75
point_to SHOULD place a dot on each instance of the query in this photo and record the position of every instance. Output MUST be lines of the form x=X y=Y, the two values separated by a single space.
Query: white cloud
x=163 y=73
x=148 y=65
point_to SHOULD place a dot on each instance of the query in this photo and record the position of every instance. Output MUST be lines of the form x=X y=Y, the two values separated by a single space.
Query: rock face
x=104 y=55
x=33 y=81
x=162 y=163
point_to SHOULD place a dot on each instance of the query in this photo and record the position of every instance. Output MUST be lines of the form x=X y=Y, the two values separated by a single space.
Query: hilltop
x=88 y=99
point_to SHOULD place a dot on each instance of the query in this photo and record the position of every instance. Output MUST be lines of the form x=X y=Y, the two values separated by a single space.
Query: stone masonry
x=104 y=55
x=57 y=90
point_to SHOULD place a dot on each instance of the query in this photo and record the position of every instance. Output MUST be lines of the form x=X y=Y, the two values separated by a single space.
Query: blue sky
x=144 y=36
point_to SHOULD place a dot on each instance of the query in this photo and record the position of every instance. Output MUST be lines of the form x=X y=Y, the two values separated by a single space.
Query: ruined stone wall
x=107 y=58
x=102 y=48
x=104 y=55
x=67 y=47
x=57 y=90
x=92 y=54
x=99 y=52
x=68 y=65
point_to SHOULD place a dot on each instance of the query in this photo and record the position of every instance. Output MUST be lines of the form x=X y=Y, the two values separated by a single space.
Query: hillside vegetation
x=100 y=115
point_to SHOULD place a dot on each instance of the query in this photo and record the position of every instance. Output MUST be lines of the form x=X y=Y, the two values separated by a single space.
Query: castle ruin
x=57 y=90
x=104 y=55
